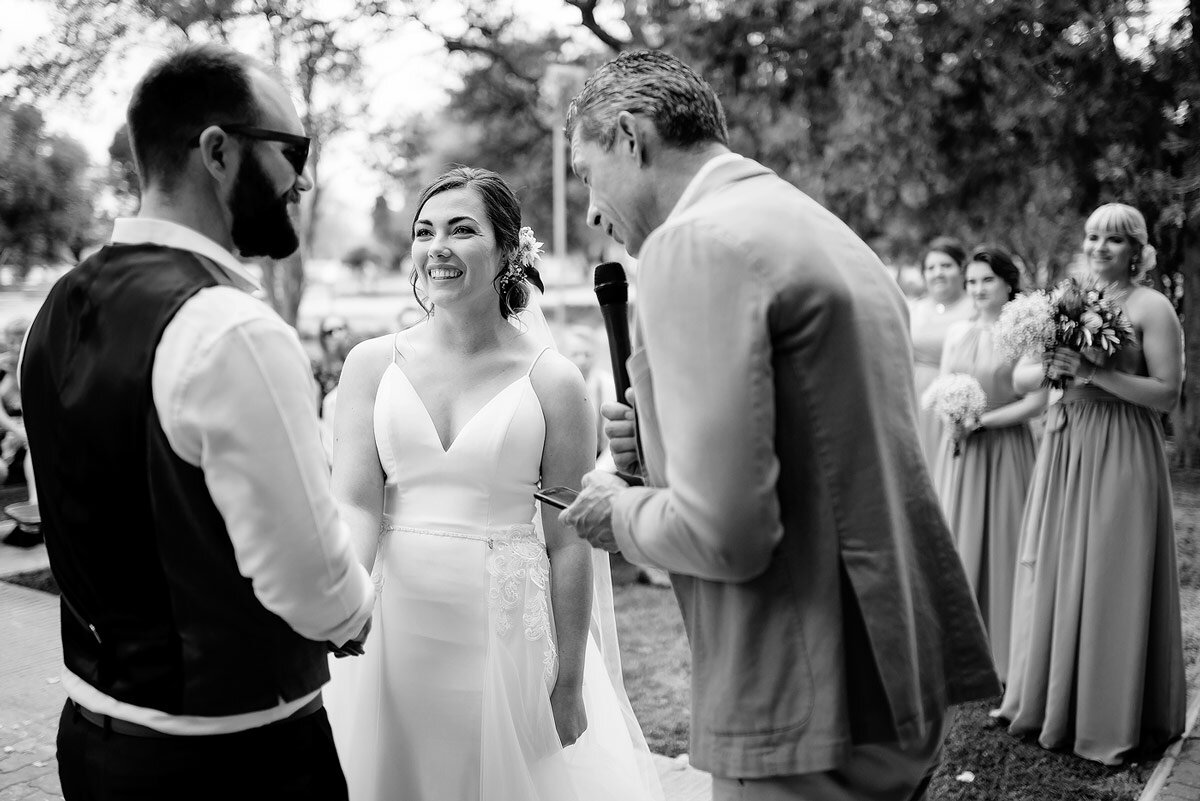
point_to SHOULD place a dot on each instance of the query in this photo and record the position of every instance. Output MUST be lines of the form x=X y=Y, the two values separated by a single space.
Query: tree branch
x=587 y=13
x=461 y=45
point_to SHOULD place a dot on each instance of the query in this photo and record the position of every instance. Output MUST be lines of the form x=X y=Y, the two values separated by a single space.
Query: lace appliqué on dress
x=520 y=572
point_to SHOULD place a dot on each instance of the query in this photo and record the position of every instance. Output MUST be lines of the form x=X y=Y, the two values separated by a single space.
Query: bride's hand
x=570 y=718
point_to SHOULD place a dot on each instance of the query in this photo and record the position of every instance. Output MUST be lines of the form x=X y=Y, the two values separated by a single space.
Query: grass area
x=656 y=665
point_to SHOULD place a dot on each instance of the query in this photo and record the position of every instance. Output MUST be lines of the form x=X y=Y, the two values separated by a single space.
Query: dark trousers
x=292 y=759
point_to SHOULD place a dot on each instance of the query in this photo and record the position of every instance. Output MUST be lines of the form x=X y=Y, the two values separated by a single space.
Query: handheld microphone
x=612 y=290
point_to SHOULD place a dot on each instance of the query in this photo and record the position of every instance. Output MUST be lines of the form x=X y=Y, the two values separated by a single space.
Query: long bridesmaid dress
x=1097 y=653
x=983 y=489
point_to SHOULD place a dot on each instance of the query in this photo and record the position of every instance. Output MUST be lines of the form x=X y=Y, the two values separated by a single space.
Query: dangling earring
x=1133 y=263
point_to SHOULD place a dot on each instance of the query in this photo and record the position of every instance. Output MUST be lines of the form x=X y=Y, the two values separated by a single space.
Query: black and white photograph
x=599 y=400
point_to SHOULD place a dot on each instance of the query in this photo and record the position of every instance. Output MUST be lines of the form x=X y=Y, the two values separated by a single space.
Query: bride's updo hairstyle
x=504 y=213
x=1119 y=218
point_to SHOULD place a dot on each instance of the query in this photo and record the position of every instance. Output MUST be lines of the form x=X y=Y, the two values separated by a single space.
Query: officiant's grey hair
x=683 y=107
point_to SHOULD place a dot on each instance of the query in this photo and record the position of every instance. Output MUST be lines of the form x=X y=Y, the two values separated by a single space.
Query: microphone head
x=611 y=284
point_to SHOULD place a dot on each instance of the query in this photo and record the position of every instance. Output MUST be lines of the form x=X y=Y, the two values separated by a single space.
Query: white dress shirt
x=233 y=389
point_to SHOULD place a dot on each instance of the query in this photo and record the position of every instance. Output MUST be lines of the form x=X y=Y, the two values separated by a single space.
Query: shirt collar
x=146 y=230
x=693 y=186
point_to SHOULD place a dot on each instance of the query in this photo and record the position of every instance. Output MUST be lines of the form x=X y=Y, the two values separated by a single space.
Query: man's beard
x=261 y=225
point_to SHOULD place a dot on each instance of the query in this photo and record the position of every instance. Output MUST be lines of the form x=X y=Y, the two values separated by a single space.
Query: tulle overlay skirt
x=983 y=492
x=451 y=701
x=1097 y=658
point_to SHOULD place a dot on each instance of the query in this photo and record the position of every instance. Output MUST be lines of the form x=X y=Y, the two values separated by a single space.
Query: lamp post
x=560 y=83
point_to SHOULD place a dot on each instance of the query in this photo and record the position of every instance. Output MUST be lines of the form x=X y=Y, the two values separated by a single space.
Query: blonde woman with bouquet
x=983 y=488
x=930 y=317
x=1097 y=659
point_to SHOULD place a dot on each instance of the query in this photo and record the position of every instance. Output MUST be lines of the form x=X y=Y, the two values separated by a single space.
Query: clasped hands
x=352 y=647
x=591 y=513
x=1060 y=363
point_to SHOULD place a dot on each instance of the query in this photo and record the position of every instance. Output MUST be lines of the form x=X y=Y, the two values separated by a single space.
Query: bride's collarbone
x=453 y=385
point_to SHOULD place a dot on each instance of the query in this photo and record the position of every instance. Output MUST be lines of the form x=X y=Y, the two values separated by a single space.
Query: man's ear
x=218 y=154
x=634 y=137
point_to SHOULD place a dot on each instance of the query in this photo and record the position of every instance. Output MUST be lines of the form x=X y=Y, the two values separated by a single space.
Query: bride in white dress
x=490 y=674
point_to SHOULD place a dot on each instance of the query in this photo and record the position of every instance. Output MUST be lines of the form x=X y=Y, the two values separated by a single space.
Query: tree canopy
x=46 y=212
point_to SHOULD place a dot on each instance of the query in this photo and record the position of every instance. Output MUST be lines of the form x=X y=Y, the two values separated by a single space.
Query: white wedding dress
x=451 y=701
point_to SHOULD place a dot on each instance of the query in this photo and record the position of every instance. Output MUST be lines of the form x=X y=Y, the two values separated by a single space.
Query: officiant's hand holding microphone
x=591 y=513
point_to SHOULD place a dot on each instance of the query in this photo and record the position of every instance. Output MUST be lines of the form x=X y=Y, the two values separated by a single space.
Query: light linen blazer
x=823 y=599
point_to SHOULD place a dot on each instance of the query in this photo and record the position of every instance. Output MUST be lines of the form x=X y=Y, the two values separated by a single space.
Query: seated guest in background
x=945 y=302
x=983 y=488
x=15 y=464
x=1097 y=655
x=333 y=336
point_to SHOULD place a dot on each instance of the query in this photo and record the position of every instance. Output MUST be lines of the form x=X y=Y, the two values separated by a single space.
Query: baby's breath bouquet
x=1026 y=325
x=957 y=398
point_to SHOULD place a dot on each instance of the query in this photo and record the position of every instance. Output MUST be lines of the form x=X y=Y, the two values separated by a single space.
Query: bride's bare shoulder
x=368 y=359
x=556 y=379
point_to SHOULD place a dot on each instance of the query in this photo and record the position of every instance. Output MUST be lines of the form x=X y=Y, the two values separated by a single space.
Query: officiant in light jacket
x=830 y=621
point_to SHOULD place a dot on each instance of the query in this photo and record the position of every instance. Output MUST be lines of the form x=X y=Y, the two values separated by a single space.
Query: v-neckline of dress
x=429 y=418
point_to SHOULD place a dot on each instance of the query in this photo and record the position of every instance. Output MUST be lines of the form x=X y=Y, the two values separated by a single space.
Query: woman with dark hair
x=945 y=302
x=1097 y=656
x=983 y=488
x=481 y=680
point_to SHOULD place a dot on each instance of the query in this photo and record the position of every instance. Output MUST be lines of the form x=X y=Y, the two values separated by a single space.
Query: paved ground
x=30 y=694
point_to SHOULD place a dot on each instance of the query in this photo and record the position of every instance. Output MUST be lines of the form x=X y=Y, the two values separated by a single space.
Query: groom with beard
x=184 y=492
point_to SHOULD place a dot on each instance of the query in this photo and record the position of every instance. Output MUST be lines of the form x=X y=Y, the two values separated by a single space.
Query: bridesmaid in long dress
x=946 y=302
x=983 y=489
x=1097 y=657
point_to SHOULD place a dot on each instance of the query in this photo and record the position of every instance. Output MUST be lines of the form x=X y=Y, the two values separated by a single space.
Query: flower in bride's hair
x=527 y=254
x=529 y=250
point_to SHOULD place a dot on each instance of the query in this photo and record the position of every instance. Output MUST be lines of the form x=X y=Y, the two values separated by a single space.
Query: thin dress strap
x=537 y=359
x=396 y=345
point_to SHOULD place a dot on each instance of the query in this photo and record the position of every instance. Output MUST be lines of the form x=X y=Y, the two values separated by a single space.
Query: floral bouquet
x=1077 y=314
x=956 y=398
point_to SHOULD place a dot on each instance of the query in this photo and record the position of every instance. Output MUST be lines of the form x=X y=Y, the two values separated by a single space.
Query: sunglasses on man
x=295 y=147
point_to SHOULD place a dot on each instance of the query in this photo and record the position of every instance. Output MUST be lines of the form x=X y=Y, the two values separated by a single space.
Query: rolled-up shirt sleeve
x=234 y=394
x=703 y=314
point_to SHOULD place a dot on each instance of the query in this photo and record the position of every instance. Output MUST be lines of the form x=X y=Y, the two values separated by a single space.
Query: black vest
x=136 y=544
